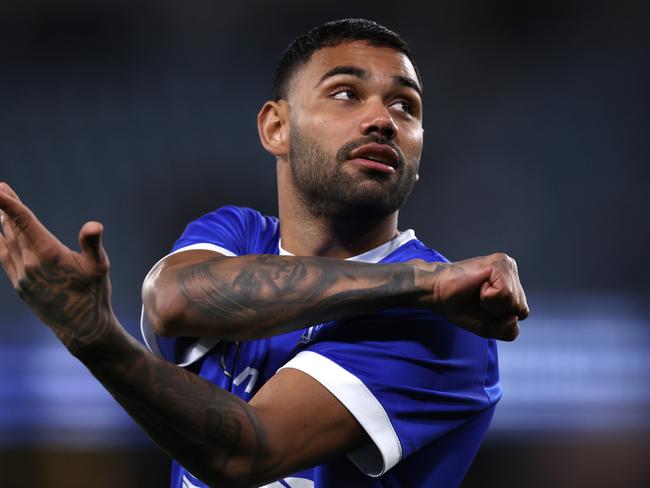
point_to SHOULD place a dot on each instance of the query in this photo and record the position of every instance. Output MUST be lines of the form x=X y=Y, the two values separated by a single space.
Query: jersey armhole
x=202 y=345
x=385 y=451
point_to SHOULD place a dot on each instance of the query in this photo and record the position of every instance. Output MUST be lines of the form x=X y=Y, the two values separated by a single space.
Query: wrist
x=103 y=344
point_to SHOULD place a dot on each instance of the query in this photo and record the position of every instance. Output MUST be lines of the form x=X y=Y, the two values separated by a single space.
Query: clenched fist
x=482 y=295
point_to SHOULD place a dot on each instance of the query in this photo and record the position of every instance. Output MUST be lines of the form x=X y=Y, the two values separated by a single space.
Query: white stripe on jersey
x=292 y=483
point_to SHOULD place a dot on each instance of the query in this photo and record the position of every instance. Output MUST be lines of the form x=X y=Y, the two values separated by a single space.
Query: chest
x=242 y=367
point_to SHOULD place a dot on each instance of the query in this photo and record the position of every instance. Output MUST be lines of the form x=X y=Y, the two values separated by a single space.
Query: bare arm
x=213 y=434
x=206 y=294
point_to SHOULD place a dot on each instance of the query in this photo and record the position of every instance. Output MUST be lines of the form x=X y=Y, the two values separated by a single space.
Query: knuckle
x=507 y=329
x=22 y=221
x=31 y=266
x=513 y=331
x=102 y=269
x=500 y=256
x=23 y=285
x=510 y=334
x=503 y=294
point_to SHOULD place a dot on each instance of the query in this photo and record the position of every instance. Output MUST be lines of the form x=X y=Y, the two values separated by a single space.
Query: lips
x=378 y=153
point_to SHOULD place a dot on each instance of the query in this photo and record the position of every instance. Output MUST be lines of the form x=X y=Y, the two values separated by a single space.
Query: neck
x=306 y=234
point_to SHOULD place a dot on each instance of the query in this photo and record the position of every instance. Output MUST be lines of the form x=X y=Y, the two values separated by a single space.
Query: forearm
x=213 y=434
x=261 y=295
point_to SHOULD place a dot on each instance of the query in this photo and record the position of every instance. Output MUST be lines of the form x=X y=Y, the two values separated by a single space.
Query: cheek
x=412 y=142
x=330 y=133
x=312 y=124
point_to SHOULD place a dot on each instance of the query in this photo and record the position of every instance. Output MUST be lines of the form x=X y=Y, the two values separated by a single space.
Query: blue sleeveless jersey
x=424 y=390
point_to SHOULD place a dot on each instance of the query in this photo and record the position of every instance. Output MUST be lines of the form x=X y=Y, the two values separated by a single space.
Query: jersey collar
x=374 y=255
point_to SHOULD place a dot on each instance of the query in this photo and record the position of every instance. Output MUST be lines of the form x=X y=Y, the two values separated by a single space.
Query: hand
x=482 y=295
x=67 y=290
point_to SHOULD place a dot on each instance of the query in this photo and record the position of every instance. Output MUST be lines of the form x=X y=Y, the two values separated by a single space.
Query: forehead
x=377 y=61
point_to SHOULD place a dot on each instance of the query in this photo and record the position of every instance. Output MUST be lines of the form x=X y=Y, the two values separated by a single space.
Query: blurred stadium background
x=537 y=117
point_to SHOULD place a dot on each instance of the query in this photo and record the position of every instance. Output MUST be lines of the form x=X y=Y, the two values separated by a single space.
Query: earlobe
x=272 y=127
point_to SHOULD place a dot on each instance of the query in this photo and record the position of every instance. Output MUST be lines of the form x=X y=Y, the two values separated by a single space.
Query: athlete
x=318 y=347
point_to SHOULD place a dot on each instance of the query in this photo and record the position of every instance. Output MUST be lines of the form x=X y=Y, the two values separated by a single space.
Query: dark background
x=142 y=115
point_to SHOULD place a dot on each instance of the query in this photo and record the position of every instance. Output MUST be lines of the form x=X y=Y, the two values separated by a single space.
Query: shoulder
x=240 y=230
x=238 y=215
x=412 y=248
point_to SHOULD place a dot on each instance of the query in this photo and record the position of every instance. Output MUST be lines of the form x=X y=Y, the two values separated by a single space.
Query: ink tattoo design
x=276 y=294
x=76 y=307
x=202 y=426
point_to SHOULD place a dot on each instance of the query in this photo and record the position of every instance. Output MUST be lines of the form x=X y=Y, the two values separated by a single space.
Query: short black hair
x=332 y=34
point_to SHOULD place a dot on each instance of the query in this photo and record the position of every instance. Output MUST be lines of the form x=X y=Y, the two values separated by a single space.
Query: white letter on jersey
x=252 y=372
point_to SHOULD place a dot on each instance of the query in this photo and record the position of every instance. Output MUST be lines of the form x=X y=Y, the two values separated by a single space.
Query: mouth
x=376 y=157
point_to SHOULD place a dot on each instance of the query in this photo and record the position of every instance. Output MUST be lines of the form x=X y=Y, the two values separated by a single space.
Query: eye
x=403 y=105
x=344 y=95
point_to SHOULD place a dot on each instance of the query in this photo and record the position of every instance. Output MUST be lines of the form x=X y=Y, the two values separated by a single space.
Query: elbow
x=161 y=326
x=161 y=308
x=235 y=473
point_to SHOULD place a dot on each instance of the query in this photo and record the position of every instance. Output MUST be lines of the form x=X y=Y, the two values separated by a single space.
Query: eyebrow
x=408 y=83
x=345 y=70
x=364 y=75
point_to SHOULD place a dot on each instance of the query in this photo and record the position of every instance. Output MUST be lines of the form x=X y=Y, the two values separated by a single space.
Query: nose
x=378 y=120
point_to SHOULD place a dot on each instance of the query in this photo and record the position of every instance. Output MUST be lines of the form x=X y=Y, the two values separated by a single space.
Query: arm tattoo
x=274 y=294
x=73 y=305
x=197 y=423
x=209 y=431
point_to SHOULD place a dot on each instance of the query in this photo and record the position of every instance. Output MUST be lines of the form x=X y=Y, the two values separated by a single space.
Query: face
x=355 y=131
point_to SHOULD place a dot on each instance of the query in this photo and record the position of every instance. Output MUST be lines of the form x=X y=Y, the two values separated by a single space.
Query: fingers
x=502 y=328
x=520 y=302
x=4 y=186
x=17 y=213
x=6 y=261
x=24 y=232
x=502 y=295
x=480 y=322
x=90 y=242
x=524 y=309
x=13 y=253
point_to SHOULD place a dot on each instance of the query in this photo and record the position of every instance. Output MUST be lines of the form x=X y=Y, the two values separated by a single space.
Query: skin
x=218 y=437
x=380 y=100
x=292 y=422
x=336 y=111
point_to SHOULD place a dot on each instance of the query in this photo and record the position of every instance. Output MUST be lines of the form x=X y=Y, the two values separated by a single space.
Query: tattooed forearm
x=213 y=434
x=256 y=296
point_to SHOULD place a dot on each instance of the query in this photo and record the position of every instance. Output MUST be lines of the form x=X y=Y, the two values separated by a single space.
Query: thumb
x=90 y=241
x=488 y=289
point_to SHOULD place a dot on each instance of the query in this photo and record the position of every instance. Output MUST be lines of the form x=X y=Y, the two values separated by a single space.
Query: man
x=326 y=333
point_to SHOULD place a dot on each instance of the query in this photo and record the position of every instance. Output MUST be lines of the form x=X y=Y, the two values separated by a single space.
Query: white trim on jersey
x=374 y=460
x=374 y=255
x=201 y=346
x=291 y=482
x=187 y=483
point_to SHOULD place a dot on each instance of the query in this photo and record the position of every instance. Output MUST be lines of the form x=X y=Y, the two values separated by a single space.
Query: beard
x=328 y=190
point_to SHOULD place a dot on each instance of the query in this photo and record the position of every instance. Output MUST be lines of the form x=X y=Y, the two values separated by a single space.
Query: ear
x=273 y=127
